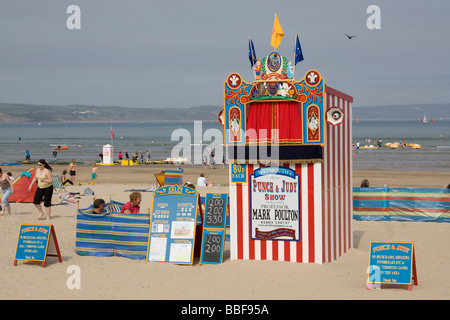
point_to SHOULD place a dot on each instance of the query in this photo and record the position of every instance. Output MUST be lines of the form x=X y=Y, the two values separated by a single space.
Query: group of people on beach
x=131 y=207
x=135 y=156
x=44 y=191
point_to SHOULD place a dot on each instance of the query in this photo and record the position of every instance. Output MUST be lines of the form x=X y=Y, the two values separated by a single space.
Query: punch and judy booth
x=289 y=148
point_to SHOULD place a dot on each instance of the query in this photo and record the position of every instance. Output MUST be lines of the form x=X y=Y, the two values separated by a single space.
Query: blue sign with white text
x=33 y=242
x=238 y=173
x=173 y=225
x=391 y=262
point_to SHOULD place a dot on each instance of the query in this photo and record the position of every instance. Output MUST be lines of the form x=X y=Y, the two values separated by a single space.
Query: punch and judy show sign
x=275 y=204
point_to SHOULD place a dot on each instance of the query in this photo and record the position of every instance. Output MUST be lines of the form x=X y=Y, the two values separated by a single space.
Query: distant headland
x=11 y=113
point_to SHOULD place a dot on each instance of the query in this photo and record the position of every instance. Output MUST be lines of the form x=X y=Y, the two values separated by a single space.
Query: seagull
x=350 y=36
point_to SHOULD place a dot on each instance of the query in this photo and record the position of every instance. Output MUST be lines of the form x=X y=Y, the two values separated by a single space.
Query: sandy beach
x=122 y=278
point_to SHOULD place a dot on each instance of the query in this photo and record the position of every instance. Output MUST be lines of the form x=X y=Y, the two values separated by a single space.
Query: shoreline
x=377 y=178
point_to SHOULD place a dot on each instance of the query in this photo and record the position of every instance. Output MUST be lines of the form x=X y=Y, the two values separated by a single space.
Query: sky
x=166 y=54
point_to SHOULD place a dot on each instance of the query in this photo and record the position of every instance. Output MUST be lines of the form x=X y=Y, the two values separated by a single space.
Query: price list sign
x=173 y=225
x=214 y=228
x=215 y=210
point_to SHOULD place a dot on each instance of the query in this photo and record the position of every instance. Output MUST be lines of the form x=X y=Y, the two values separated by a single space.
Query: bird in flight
x=350 y=36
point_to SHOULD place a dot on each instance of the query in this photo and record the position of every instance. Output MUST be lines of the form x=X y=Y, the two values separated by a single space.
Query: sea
x=195 y=140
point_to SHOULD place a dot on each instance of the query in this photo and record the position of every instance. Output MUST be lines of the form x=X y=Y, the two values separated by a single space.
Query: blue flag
x=298 y=52
x=251 y=53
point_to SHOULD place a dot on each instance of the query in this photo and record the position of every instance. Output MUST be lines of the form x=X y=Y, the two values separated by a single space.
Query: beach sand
x=122 y=278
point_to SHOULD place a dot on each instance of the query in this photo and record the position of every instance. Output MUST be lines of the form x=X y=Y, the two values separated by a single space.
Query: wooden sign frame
x=393 y=262
x=36 y=242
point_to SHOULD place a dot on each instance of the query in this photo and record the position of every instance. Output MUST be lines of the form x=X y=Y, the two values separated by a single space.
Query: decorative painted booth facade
x=289 y=148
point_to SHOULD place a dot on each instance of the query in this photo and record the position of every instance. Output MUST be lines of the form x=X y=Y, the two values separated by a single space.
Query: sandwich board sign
x=212 y=246
x=215 y=210
x=214 y=228
x=173 y=222
x=36 y=242
x=392 y=263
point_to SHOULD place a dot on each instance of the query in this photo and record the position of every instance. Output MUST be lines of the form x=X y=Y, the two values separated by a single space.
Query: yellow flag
x=277 y=33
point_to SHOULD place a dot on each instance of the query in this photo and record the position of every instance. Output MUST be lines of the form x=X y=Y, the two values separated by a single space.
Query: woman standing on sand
x=72 y=170
x=43 y=177
x=7 y=190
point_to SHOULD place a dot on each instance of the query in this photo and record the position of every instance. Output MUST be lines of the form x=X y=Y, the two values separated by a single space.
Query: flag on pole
x=251 y=52
x=277 y=33
x=298 y=52
x=112 y=133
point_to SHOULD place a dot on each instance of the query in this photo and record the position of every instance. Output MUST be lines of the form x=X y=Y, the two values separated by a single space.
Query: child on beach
x=132 y=206
x=72 y=170
x=7 y=189
x=94 y=173
x=64 y=179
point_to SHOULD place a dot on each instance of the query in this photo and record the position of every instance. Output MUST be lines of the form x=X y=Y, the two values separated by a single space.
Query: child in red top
x=133 y=205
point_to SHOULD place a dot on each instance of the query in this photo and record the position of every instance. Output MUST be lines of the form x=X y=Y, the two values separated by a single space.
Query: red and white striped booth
x=289 y=147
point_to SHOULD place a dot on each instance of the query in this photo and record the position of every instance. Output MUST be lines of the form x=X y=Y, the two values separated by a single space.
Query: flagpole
x=295 y=53
x=251 y=50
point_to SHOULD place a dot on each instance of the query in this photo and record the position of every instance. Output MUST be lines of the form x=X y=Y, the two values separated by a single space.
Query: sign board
x=214 y=228
x=215 y=210
x=238 y=173
x=172 y=225
x=35 y=242
x=275 y=204
x=392 y=263
x=212 y=246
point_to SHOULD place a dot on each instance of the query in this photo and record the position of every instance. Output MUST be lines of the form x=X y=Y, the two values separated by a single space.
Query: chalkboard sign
x=215 y=210
x=212 y=246
x=173 y=225
x=392 y=262
x=36 y=242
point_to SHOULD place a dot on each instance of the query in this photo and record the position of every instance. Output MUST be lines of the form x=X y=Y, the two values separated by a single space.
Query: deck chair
x=114 y=206
x=169 y=178
x=57 y=184
x=159 y=179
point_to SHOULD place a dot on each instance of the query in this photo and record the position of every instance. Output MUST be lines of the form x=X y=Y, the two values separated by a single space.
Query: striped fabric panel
x=401 y=204
x=131 y=235
x=419 y=204
x=371 y=204
x=109 y=234
x=173 y=177
x=94 y=234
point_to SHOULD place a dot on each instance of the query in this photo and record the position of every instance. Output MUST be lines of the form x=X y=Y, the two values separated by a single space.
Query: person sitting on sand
x=99 y=206
x=201 y=181
x=189 y=185
x=132 y=206
x=63 y=178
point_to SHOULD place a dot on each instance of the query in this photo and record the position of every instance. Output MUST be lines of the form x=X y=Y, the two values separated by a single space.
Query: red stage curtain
x=274 y=122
